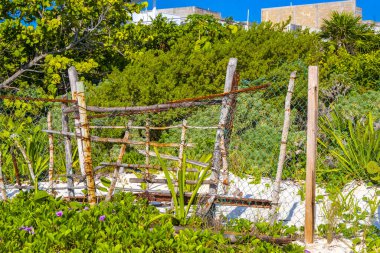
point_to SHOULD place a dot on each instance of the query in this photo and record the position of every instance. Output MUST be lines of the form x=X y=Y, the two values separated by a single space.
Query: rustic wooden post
x=311 y=152
x=15 y=167
x=28 y=162
x=182 y=145
x=51 y=151
x=223 y=121
x=281 y=158
x=73 y=77
x=86 y=142
x=226 y=117
x=2 y=186
x=223 y=152
x=147 y=143
x=68 y=150
x=119 y=161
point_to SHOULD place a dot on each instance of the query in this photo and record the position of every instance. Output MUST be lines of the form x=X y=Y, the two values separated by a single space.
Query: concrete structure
x=183 y=12
x=177 y=15
x=375 y=25
x=308 y=15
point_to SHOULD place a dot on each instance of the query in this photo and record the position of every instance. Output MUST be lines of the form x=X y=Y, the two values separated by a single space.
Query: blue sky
x=238 y=9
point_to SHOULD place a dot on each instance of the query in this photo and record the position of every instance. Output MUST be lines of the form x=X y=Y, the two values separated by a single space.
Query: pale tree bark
x=281 y=158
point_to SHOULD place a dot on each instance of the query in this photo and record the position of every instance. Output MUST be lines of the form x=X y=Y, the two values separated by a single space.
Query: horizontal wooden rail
x=220 y=200
x=144 y=166
x=175 y=158
x=148 y=108
x=38 y=99
x=164 y=181
x=165 y=196
x=119 y=140
x=152 y=127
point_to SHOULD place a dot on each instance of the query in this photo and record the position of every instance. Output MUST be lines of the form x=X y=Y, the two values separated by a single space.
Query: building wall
x=183 y=12
x=308 y=15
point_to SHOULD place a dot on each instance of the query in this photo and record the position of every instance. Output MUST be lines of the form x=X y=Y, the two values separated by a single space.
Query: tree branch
x=76 y=41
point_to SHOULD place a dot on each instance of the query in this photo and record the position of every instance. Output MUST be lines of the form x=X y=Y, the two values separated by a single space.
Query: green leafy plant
x=181 y=210
x=355 y=146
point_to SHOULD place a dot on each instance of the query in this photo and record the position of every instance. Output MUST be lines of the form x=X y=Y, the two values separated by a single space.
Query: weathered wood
x=226 y=110
x=15 y=167
x=86 y=142
x=147 y=142
x=117 y=169
x=183 y=144
x=190 y=102
x=180 y=157
x=51 y=151
x=174 y=158
x=164 y=181
x=120 y=140
x=144 y=166
x=73 y=77
x=311 y=152
x=224 y=172
x=223 y=201
x=281 y=158
x=2 y=185
x=28 y=162
x=153 y=128
x=68 y=150
x=143 y=109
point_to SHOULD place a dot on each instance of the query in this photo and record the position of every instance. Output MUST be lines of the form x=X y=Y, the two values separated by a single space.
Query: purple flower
x=59 y=213
x=86 y=208
x=102 y=218
x=30 y=230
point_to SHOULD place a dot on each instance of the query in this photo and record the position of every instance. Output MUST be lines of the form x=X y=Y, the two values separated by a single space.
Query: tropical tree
x=40 y=38
x=346 y=30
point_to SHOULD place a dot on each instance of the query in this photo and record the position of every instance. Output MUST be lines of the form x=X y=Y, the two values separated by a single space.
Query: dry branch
x=68 y=150
x=119 y=140
x=119 y=160
x=281 y=158
x=174 y=158
x=164 y=181
x=2 y=186
x=28 y=162
x=51 y=151
x=144 y=166
x=152 y=127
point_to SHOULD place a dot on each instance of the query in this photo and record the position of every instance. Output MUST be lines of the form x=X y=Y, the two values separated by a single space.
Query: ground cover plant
x=36 y=222
x=126 y=64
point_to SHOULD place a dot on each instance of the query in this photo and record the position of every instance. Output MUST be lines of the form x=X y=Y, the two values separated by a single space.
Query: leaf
x=103 y=189
x=373 y=168
x=105 y=181
x=41 y=195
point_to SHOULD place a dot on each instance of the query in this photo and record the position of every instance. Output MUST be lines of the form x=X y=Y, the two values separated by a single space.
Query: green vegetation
x=181 y=211
x=126 y=64
x=36 y=223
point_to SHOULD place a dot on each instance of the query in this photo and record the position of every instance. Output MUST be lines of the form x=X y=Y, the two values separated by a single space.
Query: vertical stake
x=119 y=160
x=147 y=143
x=73 y=77
x=85 y=130
x=2 y=186
x=68 y=150
x=51 y=151
x=225 y=122
x=15 y=167
x=311 y=153
x=282 y=156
